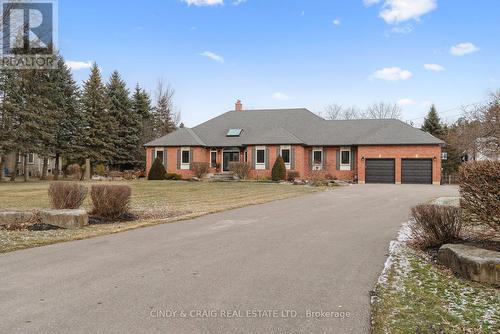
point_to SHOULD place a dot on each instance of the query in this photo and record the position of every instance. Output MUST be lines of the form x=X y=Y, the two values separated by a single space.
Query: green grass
x=154 y=202
x=415 y=296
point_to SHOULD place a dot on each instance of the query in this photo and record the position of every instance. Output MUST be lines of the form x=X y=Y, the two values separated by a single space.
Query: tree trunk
x=44 y=168
x=56 y=168
x=25 y=169
x=13 y=174
x=87 y=169
x=2 y=167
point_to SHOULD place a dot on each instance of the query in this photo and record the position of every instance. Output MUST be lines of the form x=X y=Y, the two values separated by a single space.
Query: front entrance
x=228 y=157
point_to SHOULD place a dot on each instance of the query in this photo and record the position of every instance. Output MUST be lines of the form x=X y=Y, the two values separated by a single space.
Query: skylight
x=234 y=132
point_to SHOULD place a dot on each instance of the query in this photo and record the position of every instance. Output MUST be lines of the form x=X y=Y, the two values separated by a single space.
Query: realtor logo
x=28 y=34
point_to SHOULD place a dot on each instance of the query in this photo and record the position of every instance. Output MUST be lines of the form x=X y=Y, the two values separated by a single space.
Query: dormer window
x=234 y=132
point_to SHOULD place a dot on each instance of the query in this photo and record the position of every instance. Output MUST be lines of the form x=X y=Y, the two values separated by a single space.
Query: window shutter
x=337 y=160
x=278 y=152
x=311 y=159
x=353 y=151
x=179 y=158
x=292 y=158
x=153 y=157
x=267 y=158
x=165 y=158
x=254 y=157
x=325 y=161
x=191 y=156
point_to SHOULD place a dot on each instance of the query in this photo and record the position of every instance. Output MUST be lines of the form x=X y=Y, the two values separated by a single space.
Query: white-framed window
x=160 y=153
x=286 y=154
x=345 y=158
x=260 y=157
x=185 y=157
x=317 y=158
x=31 y=158
x=213 y=158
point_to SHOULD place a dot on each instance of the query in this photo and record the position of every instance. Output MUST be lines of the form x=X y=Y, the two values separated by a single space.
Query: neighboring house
x=485 y=149
x=370 y=151
x=35 y=165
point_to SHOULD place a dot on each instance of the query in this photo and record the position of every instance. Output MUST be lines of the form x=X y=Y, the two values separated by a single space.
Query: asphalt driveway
x=302 y=265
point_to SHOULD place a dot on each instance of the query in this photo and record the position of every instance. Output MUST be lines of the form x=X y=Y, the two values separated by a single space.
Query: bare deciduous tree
x=339 y=112
x=383 y=110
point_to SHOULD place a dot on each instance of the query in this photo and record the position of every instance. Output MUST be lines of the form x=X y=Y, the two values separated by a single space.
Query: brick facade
x=302 y=160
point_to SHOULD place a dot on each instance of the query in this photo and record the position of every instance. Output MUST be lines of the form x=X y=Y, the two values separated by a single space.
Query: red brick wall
x=399 y=152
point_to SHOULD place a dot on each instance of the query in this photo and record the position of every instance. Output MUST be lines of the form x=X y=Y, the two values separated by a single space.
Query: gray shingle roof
x=294 y=126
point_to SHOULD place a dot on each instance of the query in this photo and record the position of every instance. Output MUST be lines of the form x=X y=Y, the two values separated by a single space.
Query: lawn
x=154 y=202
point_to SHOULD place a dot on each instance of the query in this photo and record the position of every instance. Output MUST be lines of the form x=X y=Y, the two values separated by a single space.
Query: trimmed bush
x=241 y=169
x=278 y=172
x=200 y=169
x=480 y=190
x=157 y=171
x=292 y=175
x=100 y=170
x=64 y=195
x=110 y=202
x=435 y=225
x=173 y=176
x=74 y=170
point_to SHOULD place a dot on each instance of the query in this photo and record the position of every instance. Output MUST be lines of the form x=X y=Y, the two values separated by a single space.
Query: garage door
x=379 y=171
x=416 y=171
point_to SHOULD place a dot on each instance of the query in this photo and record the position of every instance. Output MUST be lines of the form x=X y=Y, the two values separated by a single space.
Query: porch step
x=223 y=177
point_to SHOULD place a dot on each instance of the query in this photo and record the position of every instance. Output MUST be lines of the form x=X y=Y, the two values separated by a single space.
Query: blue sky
x=294 y=53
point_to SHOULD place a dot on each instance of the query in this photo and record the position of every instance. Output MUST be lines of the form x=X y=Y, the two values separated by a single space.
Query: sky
x=291 y=53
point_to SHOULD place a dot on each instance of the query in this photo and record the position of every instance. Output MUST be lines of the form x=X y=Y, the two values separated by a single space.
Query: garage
x=417 y=171
x=380 y=171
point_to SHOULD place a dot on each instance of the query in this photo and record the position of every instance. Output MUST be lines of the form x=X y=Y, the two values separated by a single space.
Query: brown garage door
x=380 y=171
x=416 y=171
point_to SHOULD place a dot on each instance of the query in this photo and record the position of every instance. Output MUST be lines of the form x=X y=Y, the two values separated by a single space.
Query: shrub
x=173 y=176
x=115 y=174
x=329 y=176
x=278 y=172
x=65 y=195
x=74 y=170
x=110 y=202
x=157 y=171
x=480 y=189
x=241 y=169
x=292 y=175
x=435 y=225
x=100 y=170
x=200 y=169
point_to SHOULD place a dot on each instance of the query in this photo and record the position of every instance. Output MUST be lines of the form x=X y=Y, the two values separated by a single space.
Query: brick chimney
x=238 y=106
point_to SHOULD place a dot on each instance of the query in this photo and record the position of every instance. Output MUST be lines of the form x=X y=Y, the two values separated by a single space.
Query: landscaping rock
x=15 y=218
x=299 y=182
x=474 y=263
x=67 y=219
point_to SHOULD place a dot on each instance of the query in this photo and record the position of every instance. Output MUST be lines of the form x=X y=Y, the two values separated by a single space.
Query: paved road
x=320 y=252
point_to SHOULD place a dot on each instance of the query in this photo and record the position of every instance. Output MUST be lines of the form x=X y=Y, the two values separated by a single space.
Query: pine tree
x=278 y=173
x=128 y=130
x=432 y=123
x=99 y=125
x=141 y=106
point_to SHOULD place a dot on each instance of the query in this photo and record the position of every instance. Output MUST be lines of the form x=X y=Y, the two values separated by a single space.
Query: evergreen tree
x=432 y=123
x=99 y=124
x=278 y=173
x=128 y=131
x=141 y=106
x=164 y=118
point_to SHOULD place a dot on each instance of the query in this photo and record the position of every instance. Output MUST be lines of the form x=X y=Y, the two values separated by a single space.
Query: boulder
x=474 y=263
x=15 y=218
x=67 y=219
x=299 y=182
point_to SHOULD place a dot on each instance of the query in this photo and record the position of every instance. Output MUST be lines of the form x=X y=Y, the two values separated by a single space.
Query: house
x=369 y=151
x=34 y=163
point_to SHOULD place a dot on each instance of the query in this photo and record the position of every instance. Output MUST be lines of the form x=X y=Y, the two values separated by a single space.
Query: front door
x=229 y=157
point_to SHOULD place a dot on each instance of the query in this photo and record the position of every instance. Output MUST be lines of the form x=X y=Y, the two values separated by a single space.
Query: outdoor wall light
x=363 y=158
x=435 y=158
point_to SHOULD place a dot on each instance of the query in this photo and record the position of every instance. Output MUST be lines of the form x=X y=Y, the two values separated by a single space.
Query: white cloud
x=392 y=74
x=213 y=56
x=463 y=49
x=395 y=11
x=204 y=2
x=238 y=2
x=406 y=102
x=78 y=65
x=406 y=29
x=336 y=22
x=281 y=96
x=434 y=67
